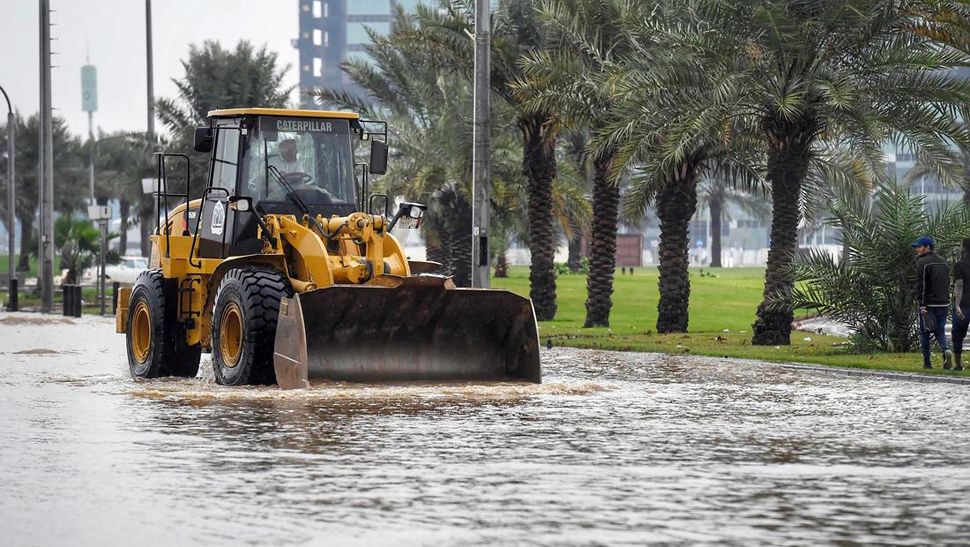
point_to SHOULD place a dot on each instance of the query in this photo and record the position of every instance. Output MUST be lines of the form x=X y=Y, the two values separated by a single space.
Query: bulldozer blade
x=420 y=329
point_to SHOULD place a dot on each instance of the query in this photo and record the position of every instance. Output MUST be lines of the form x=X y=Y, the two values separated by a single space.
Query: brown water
x=612 y=449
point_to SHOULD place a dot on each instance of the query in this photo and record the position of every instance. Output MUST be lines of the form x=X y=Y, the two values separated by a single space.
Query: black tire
x=187 y=364
x=246 y=309
x=154 y=340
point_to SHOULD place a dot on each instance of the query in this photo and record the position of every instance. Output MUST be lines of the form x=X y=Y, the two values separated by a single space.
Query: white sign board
x=99 y=212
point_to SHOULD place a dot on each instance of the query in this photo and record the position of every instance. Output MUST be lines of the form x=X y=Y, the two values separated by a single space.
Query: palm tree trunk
x=502 y=264
x=602 y=260
x=124 y=209
x=715 y=206
x=446 y=253
x=539 y=166
x=787 y=165
x=435 y=252
x=146 y=229
x=461 y=255
x=676 y=204
x=575 y=259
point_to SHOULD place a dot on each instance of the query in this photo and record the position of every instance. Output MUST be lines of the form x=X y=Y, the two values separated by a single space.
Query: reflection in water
x=612 y=448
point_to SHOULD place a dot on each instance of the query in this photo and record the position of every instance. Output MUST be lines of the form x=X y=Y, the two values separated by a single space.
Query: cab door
x=215 y=231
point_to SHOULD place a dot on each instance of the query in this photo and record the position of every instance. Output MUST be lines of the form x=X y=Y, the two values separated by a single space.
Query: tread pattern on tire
x=261 y=289
x=174 y=356
x=152 y=283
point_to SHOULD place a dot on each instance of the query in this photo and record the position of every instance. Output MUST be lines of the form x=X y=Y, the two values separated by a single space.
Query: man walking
x=961 y=303
x=933 y=298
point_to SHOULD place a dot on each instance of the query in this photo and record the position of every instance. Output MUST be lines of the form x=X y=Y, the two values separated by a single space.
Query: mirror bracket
x=412 y=211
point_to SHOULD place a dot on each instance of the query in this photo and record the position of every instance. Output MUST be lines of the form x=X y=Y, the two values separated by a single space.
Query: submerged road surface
x=613 y=448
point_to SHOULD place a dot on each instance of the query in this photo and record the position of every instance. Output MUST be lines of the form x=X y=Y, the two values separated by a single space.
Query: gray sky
x=113 y=31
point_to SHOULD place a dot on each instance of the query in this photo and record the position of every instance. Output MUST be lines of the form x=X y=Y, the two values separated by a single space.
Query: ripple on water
x=350 y=395
x=612 y=448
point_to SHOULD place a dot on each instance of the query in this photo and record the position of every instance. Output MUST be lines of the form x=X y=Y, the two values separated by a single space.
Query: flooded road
x=613 y=448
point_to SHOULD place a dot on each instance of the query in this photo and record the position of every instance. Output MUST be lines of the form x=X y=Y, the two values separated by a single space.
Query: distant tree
x=717 y=194
x=215 y=78
x=123 y=159
x=70 y=174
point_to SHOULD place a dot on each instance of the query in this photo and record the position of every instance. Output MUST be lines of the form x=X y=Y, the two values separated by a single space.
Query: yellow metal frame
x=366 y=254
x=260 y=111
x=355 y=249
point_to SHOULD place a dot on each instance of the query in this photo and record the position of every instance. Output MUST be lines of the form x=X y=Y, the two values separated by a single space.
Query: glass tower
x=332 y=31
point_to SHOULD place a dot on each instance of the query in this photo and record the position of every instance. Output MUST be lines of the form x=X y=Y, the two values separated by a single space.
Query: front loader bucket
x=421 y=329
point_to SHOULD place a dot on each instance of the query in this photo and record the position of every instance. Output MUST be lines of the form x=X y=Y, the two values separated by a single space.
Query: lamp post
x=11 y=202
x=101 y=214
x=45 y=165
x=480 y=153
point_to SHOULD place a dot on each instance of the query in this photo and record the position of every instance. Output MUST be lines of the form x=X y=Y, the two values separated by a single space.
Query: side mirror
x=203 y=139
x=378 y=204
x=409 y=215
x=241 y=204
x=378 y=158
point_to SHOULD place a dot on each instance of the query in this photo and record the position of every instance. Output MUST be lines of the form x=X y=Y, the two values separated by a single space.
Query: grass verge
x=722 y=309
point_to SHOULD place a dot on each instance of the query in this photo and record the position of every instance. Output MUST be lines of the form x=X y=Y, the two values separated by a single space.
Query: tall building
x=332 y=31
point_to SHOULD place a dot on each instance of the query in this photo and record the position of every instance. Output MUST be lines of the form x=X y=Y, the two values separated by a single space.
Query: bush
x=563 y=269
x=872 y=291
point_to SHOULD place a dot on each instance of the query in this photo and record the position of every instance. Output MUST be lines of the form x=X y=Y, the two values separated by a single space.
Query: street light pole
x=151 y=88
x=45 y=168
x=480 y=153
x=11 y=196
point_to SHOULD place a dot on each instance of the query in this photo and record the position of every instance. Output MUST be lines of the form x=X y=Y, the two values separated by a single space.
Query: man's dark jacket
x=932 y=281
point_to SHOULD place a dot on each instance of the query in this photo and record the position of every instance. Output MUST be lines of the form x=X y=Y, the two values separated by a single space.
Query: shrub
x=872 y=291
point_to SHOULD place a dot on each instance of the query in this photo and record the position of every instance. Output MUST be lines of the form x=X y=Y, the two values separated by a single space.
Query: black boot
x=958 y=361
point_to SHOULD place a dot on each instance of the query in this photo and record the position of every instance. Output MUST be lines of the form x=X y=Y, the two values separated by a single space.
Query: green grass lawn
x=720 y=299
x=5 y=259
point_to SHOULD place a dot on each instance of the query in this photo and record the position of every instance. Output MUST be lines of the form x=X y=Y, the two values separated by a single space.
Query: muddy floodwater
x=612 y=449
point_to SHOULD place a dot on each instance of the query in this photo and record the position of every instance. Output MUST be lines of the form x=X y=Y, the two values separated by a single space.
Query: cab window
x=226 y=157
x=313 y=156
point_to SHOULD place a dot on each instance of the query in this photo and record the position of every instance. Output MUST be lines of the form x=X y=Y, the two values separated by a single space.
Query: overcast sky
x=112 y=32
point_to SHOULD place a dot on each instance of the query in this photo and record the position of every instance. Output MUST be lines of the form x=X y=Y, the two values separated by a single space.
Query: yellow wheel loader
x=286 y=269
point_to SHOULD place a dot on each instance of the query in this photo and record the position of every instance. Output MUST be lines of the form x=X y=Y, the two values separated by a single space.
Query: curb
x=906 y=376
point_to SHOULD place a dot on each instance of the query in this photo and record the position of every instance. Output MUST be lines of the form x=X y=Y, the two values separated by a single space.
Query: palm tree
x=69 y=173
x=430 y=123
x=429 y=115
x=216 y=77
x=872 y=292
x=716 y=193
x=633 y=71
x=443 y=31
x=809 y=74
x=78 y=242
x=570 y=82
x=123 y=159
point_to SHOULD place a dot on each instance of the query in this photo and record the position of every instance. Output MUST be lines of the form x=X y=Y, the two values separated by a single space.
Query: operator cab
x=283 y=160
x=313 y=156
